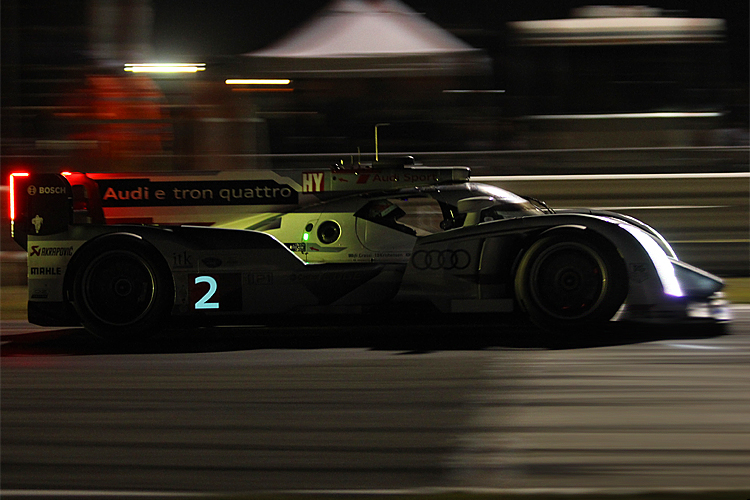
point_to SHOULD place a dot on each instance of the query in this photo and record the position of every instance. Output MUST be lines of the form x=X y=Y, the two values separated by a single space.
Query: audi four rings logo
x=441 y=259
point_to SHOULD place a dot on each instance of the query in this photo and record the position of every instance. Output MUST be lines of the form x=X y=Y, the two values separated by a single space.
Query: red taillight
x=13 y=192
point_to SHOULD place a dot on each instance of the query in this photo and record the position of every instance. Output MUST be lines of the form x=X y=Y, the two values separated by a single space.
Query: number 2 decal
x=204 y=303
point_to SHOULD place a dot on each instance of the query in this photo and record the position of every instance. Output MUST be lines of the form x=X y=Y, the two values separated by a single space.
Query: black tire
x=570 y=280
x=122 y=288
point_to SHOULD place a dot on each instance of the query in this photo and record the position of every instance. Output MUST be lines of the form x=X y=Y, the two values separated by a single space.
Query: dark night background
x=48 y=48
x=43 y=29
x=205 y=28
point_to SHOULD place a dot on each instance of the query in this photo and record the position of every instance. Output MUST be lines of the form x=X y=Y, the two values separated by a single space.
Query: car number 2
x=217 y=292
x=203 y=302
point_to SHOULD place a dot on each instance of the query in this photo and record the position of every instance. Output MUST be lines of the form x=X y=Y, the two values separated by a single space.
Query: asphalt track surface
x=362 y=407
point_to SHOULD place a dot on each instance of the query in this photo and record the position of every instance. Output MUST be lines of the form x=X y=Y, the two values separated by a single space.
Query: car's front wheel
x=567 y=281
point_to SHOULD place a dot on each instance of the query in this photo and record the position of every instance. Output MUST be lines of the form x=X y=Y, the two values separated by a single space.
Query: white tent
x=367 y=38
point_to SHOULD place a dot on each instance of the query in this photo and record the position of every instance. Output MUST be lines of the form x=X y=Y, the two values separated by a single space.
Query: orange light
x=66 y=173
x=13 y=193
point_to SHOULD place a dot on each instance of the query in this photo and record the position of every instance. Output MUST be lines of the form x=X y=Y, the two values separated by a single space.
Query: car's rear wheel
x=568 y=281
x=122 y=289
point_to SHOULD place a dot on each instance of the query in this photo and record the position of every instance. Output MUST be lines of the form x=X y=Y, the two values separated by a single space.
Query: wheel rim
x=118 y=288
x=569 y=280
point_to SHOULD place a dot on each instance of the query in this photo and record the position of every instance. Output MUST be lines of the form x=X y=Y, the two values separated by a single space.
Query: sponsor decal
x=48 y=260
x=182 y=260
x=384 y=178
x=441 y=259
x=45 y=271
x=37 y=221
x=260 y=279
x=362 y=257
x=297 y=247
x=33 y=190
x=211 y=262
x=145 y=193
x=43 y=251
x=313 y=182
x=420 y=177
x=405 y=177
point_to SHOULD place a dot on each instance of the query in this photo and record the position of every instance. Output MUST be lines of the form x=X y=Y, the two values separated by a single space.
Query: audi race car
x=125 y=255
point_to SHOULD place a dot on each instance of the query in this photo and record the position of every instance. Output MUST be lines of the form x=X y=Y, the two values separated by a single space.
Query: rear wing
x=53 y=201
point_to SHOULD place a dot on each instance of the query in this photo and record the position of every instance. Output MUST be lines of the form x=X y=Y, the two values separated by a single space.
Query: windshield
x=433 y=209
x=505 y=205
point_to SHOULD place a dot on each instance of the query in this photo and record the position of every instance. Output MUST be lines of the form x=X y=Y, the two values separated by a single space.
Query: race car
x=125 y=255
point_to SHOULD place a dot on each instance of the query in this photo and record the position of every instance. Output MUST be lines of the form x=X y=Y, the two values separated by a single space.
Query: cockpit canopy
x=459 y=204
x=473 y=203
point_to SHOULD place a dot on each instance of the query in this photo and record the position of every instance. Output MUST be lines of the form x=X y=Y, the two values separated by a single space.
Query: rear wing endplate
x=40 y=204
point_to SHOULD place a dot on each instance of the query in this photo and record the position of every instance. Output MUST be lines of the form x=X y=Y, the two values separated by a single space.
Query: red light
x=13 y=193
x=66 y=173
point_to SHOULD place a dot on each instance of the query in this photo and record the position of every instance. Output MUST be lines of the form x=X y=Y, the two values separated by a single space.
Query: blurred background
x=512 y=87
x=512 y=76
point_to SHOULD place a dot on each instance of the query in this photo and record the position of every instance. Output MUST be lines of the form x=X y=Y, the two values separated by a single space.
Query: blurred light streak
x=469 y=91
x=165 y=68
x=695 y=346
x=609 y=116
x=258 y=81
x=662 y=207
x=99 y=493
x=714 y=241
x=611 y=177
